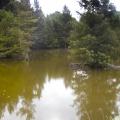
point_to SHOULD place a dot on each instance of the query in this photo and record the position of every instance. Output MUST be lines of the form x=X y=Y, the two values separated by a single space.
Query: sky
x=50 y=6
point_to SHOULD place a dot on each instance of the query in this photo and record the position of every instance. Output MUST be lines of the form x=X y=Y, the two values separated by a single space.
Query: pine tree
x=36 y=4
x=3 y=3
x=37 y=8
x=26 y=3
x=67 y=26
x=38 y=34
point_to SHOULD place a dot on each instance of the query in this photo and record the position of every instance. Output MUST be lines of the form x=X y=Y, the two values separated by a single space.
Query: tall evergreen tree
x=58 y=27
x=4 y=3
x=38 y=10
x=66 y=24
x=16 y=26
x=26 y=3
x=98 y=6
x=36 y=4
x=38 y=34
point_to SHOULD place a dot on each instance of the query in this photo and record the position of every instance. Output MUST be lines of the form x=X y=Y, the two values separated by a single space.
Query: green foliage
x=52 y=31
x=98 y=60
x=95 y=40
x=4 y=3
x=81 y=54
x=15 y=29
x=38 y=34
x=90 y=58
x=8 y=43
x=26 y=3
x=61 y=27
x=37 y=7
x=98 y=7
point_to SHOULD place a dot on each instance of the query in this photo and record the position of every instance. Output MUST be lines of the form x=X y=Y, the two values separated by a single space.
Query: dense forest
x=94 y=40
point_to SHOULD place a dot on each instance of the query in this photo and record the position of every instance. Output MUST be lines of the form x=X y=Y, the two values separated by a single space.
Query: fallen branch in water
x=78 y=66
x=114 y=67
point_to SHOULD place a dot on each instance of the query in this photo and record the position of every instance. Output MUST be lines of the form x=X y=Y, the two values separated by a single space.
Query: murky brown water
x=47 y=89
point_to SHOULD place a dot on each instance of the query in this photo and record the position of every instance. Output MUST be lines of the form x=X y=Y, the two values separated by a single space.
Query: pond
x=45 y=88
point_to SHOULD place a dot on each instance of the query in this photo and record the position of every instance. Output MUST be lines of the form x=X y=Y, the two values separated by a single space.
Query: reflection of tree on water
x=95 y=98
x=26 y=81
x=18 y=81
x=27 y=110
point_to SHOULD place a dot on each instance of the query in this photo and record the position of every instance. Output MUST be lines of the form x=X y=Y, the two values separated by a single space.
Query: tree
x=53 y=30
x=4 y=3
x=36 y=4
x=27 y=25
x=90 y=5
x=38 y=34
x=66 y=24
x=94 y=40
x=58 y=28
x=16 y=26
x=11 y=36
x=26 y=3
x=98 y=6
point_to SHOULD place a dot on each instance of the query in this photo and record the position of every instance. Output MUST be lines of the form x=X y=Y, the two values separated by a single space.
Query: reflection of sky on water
x=60 y=102
x=56 y=103
x=13 y=115
x=47 y=89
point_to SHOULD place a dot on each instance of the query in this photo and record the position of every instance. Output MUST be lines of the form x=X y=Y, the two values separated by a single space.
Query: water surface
x=45 y=88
